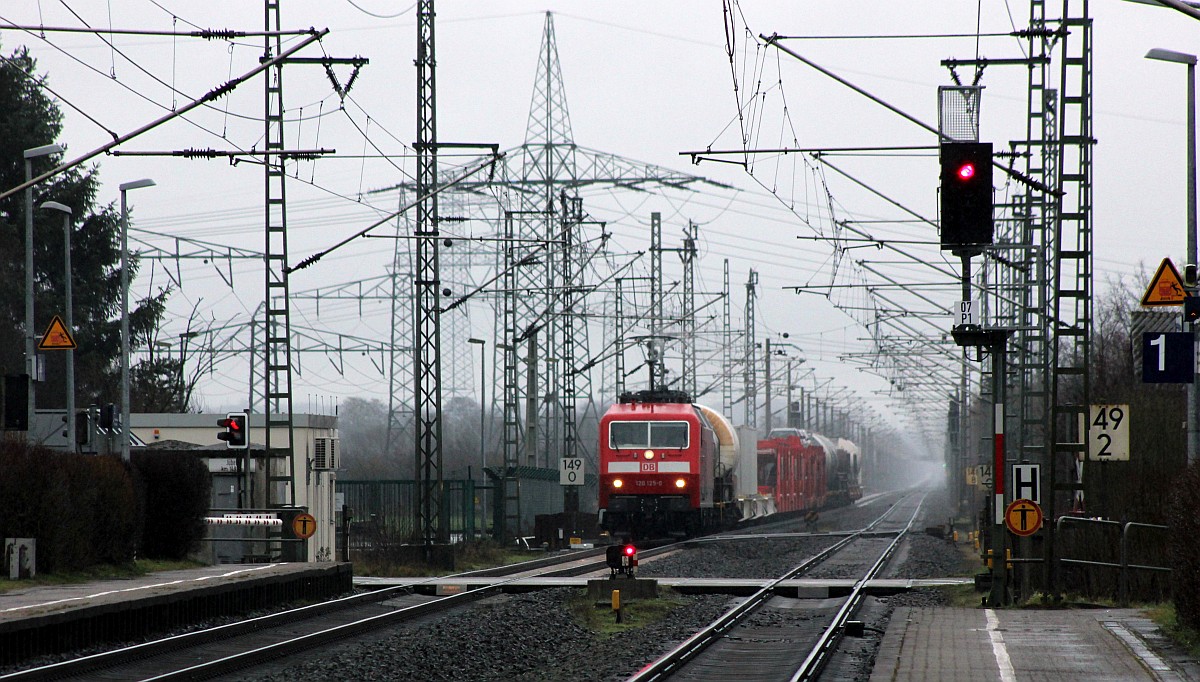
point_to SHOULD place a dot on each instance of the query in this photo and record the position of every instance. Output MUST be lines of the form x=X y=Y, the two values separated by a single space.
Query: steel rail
x=672 y=661
x=832 y=636
x=304 y=643
x=127 y=655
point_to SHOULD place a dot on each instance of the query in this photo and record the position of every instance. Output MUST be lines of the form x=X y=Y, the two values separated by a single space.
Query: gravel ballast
x=535 y=637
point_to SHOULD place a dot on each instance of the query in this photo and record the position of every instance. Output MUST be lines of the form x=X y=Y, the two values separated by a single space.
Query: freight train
x=800 y=471
x=670 y=467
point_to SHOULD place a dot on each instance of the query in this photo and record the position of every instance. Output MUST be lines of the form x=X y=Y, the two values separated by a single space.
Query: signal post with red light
x=237 y=432
x=621 y=559
x=966 y=196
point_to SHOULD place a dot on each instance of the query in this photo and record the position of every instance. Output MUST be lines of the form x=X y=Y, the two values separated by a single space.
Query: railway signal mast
x=967 y=228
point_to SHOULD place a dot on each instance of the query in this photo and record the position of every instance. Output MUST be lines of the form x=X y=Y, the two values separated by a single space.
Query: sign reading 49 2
x=1108 y=433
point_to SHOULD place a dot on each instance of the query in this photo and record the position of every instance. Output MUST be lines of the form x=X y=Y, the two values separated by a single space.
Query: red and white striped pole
x=999 y=591
x=998 y=462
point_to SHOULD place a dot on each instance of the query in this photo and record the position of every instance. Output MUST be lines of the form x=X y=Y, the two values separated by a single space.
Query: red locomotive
x=668 y=467
x=665 y=467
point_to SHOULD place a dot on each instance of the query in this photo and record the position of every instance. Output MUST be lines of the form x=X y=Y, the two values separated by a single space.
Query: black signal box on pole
x=236 y=433
x=16 y=402
x=966 y=193
x=1191 y=310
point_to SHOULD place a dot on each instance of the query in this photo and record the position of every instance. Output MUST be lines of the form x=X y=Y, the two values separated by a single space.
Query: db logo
x=650 y=467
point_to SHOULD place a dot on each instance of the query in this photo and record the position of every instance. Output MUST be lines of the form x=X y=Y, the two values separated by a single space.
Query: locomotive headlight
x=617 y=483
x=680 y=483
x=649 y=454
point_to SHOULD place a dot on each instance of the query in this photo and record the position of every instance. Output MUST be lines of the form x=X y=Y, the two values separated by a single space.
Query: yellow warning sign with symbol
x=57 y=336
x=304 y=525
x=1023 y=517
x=1166 y=288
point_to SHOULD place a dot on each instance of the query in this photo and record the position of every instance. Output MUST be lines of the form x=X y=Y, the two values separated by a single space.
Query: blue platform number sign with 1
x=1108 y=433
x=1168 y=358
x=570 y=471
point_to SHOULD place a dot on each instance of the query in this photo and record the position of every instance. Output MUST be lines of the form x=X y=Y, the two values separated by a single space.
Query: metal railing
x=1123 y=564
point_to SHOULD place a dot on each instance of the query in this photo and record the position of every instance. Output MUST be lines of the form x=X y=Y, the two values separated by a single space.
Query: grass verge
x=1163 y=615
x=635 y=613
x=468 y=556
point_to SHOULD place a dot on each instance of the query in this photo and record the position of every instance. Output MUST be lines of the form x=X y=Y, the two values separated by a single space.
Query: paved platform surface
x=1092 y=645
x=28 y=602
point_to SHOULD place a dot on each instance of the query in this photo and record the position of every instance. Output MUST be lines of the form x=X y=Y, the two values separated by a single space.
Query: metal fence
x=383 y=513
x=1137 y=561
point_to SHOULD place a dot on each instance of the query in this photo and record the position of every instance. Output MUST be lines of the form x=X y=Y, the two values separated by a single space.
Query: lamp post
x=482 y=411
x=67 y=302
x=30 y=358
x=482 y=399
x=1193 y=395
x=125 y=187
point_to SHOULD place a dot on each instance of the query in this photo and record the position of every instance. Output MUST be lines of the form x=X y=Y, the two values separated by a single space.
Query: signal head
x=966 y=196
x=236 y=434
x=620 y=558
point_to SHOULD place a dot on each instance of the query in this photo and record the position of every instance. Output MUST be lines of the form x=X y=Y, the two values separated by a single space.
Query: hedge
x=85 y=510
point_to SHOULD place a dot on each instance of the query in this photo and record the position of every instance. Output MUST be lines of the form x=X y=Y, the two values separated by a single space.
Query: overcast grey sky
x=644 y=80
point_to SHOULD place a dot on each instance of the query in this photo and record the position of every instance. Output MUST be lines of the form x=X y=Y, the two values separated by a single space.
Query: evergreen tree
x=28 y=119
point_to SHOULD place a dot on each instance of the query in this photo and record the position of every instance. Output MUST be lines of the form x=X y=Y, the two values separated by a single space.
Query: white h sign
x=1026 y=482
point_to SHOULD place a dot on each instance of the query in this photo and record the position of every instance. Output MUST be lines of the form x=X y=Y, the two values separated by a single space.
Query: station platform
x=1030 y=645
x=42 y=619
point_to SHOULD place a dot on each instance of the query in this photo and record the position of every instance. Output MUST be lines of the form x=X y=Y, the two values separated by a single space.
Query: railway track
x=736 y=642
x=227 y=649
x=245 y=645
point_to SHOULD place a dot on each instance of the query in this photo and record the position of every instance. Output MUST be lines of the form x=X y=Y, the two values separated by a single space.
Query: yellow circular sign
x=304 y=525
x=1023 y=517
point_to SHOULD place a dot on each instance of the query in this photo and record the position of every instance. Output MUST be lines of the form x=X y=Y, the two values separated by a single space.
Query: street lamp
x=1193 y=395
x=30 y=359
x=482 y=407
x=125 y=187
x=482 y=399
x=67 y=276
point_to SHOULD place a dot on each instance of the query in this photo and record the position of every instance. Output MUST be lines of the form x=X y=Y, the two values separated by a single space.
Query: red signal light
x=235 y=434
x=630 y=550
x=966 y=171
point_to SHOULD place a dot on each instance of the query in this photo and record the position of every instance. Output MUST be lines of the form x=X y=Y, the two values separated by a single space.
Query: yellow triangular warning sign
x=57 y=336
x=1166 y=288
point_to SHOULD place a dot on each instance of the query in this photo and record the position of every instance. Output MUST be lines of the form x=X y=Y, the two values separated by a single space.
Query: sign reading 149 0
x=570 y=471
x=1108 y=433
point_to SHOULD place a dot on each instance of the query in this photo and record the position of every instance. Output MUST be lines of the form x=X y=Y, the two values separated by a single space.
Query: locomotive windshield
x=639 y=435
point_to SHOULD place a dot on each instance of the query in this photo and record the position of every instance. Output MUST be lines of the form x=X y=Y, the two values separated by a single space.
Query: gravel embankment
x=534 y=637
